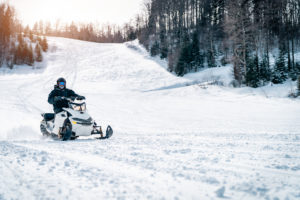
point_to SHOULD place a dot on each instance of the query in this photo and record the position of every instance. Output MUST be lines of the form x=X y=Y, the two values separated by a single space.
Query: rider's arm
x=51 y=97
x=72 y=94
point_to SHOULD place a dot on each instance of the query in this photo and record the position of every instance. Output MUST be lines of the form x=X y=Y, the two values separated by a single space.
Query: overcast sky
x=102 y=11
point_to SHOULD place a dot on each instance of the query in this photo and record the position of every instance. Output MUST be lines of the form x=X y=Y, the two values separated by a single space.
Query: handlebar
x=72 y=99
x=66 y=98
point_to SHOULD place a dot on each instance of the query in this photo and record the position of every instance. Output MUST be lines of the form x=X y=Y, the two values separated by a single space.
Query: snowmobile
x=72 y=122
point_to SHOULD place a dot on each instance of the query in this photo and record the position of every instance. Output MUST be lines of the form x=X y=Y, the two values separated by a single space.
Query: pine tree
x=298 y=85
x=12 y=51
x=185 y=57
x=297 y=68
x=30 y=57
x=211 y=62
x=280 y=74
x=164 y=52
x=39 y=39
x=173 y=57
x=265 y=71
x=131 y=34
x=19 y=56
x=197 y=59
x=26 y=54
x=252 y=74
x=181 y=66
x=154 y=51
x=184 y=62
x=44 y=44
x=293 y=74
x=38 y=53
x=31 y=36
x=20 y=39
x=163 y=42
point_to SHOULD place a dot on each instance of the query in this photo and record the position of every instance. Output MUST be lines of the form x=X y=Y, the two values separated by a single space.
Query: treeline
x=87 y=32
x=17 y=48
x=298 y=86
x=193 y=34
x=29 y=49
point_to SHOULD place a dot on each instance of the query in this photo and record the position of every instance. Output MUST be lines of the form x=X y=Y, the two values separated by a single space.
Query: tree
x=41 y=27
x=131 y=34
x=39 y=39
x=185 y=58
x=298 y=85
x=182 y=65
x=19 y=57
x=163 y=43
x=239 y=28
x=14 y=49
x=211 y=58
x=235 y=29
x=197 y=58
x=6 y=31
x=280 y=73
x=48 y=28
x=252 y=75
x=11 y=58
x=31 y=36
x=35 y=28
x=30 y=57
x=44 y=44
x=155 y=49
x=38 y=53
x=265 y=71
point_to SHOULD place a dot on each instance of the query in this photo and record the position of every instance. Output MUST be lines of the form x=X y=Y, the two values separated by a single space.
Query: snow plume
x=21 y=133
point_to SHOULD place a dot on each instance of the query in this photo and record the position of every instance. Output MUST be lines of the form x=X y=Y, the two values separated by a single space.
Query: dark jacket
x=58 y=105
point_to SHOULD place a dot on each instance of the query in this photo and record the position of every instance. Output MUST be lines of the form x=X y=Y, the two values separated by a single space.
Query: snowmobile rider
x=60 y=90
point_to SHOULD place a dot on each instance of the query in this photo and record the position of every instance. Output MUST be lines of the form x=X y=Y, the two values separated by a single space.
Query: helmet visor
x=61 y=85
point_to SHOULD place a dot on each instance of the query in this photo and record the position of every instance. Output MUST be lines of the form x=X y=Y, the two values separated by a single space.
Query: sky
x=94 y=11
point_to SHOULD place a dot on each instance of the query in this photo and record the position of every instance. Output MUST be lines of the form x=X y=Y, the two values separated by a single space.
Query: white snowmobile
x=72 y=122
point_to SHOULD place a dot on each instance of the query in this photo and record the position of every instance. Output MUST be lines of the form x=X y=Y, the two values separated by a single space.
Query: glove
x=57 y=98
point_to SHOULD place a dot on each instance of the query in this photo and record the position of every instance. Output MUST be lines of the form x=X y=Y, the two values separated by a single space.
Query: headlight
x=76 y=107
x=81 y=107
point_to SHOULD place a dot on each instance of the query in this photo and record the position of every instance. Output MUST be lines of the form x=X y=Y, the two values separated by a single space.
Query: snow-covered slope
x=174 y=139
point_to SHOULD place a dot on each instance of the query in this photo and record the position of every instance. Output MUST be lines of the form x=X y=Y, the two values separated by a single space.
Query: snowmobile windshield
x=79 y=107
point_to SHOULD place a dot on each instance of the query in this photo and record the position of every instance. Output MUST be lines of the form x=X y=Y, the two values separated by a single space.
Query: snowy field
x=175 y=138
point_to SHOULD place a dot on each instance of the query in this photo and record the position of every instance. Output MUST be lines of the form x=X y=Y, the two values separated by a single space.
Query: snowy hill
x=175 y=138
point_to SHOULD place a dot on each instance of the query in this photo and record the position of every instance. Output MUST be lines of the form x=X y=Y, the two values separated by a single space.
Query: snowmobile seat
x=48 y=116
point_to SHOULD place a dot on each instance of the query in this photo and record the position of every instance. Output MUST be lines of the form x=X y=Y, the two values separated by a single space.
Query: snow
x=220 y=192
x=175 y=137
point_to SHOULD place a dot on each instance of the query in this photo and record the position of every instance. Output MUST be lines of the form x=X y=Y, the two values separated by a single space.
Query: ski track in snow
x=175 y=141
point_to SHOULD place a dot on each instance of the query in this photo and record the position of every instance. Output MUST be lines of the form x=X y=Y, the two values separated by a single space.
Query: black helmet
x=61 y=83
